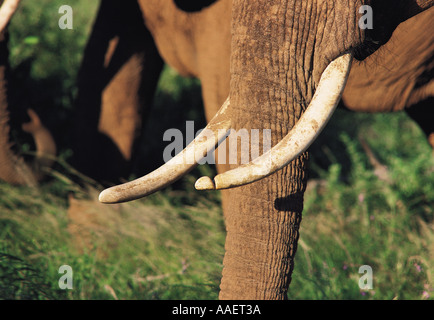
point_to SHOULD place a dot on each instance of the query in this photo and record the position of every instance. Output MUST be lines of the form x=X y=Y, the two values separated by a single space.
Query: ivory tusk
x=7 y=10
x=175 y=168
x=304 y=132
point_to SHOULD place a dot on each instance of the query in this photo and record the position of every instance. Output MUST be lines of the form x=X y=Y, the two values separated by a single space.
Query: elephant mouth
x=302 y=135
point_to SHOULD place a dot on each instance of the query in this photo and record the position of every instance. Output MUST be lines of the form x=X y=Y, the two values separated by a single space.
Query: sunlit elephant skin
x=270 y=69
x=13 y=169
x=398 y=76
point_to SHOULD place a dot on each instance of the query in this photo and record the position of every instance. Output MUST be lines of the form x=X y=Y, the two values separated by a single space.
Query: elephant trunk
x=273 y=79
x=261 y=235
x=263 y=218
x=305 y=131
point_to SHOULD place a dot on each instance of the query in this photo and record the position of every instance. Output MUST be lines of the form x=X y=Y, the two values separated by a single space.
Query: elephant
x=116 y=83
x=278 y=65
x=13 y=168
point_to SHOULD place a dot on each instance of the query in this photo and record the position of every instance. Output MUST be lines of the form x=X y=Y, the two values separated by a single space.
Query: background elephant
x=277 y=55
x=116 y=83
x=119 y=74
x=13 y=169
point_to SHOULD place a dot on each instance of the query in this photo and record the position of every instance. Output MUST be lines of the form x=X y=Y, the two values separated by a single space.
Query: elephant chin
x=314 y=119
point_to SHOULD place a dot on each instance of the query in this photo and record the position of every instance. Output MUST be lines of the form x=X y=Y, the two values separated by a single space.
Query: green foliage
x=44 y=62
x=149 y=249
x=53 y=53
x=19 y=280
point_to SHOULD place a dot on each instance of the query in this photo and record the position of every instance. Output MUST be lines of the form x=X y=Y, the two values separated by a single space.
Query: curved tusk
x=7 y=10
x=175 y=168
x=305 y=131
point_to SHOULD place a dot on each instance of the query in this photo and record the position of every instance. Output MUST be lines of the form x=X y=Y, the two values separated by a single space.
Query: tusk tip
x=205 y=183
x=108 y=197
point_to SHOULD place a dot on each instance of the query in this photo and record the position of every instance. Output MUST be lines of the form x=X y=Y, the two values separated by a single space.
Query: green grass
x=357 y=218
x=171 y=244
x=148 y=249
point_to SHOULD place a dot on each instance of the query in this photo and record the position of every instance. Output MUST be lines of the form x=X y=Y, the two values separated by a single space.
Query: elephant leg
x=116 y=85
x=424 y=117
